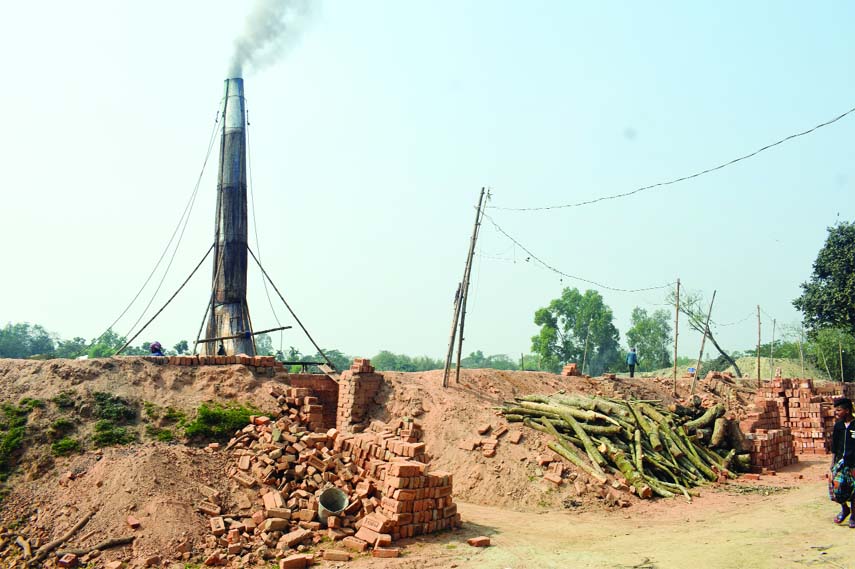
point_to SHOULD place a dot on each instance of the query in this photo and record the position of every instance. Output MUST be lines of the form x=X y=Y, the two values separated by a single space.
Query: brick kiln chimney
x=229 y=312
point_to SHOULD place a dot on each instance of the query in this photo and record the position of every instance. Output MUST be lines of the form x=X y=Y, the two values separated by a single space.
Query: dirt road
x=737 y=527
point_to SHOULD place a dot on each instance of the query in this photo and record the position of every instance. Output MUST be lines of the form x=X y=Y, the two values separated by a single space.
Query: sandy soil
x=532 y=524
x=780 y=521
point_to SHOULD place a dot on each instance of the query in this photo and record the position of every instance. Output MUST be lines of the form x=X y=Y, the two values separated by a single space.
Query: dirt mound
x=160 y=484
x=157 y=484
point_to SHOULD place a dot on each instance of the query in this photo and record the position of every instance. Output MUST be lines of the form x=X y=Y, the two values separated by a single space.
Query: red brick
x=295 y=562
x=367 y=535
x=68 y=560
x=218 y=526
x=355 y=544
x=336 y=555
x=386 y=552
x=481 y=541
x=133 y=522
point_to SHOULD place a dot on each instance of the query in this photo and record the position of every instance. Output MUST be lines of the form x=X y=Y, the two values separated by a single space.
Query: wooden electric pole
x=772 y=353
x=703 y=340
x=840 y=351
x=758 y=346
x=676 y=333
x=461 y=297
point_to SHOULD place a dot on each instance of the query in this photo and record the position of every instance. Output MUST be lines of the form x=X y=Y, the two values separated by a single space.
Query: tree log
x=719 y=432
x=632 y=476
x=592 y=451
x=44 y=550
x=711 y=415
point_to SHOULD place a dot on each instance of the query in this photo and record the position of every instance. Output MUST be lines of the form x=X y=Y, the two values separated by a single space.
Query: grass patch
x=113 y=408
x=162 y=435
x=108 y=433
x=217 y=422
x=65 y=446
x=64 y=400
x=60 y=428
x=13 y=427
x=174 y=415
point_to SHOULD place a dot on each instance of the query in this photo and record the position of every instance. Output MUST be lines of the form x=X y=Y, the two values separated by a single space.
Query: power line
x=682 y=178
x=187 y=208
x=569 y=276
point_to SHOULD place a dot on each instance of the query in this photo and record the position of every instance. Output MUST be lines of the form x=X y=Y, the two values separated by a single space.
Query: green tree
x=263 y=345
x=73 y=348
x=567 y=323
x=182 y=347
x=825 y=349
x=339 y=359
x=105 y=345
x=828 y=300
x=23 y=340
x=477 y=360
x=650 y=334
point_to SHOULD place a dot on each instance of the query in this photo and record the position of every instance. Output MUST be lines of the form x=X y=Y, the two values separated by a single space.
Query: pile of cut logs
x=285 y=467
x=662 y=452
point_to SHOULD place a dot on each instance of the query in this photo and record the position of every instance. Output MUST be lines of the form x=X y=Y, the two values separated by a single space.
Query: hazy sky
x=372 y=135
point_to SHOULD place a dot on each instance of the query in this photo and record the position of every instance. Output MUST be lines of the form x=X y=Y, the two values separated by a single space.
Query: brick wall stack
x=797 y=405
x=570 y=370
x=259 y=364
x=357 y=388
x=417 y=502
x=325 y=390
x=771 y=449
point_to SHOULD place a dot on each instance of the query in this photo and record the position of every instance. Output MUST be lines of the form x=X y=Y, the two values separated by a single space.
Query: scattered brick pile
x=792 y=412
x=487 y=445
x=390 y=491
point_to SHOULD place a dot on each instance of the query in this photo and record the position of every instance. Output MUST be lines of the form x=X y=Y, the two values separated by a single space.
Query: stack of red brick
x=357 y=389
x=391 y=492
x=254 y=361
x=800 y=410
x=570 y=370
x=771 y=449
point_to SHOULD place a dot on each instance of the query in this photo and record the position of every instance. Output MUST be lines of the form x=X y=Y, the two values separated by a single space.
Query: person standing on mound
x=841 y=482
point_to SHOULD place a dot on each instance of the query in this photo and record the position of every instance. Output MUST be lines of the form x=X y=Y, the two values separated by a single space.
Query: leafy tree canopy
x=650 y=334
x=23 y=340
x=567 y=323
x=828 y=298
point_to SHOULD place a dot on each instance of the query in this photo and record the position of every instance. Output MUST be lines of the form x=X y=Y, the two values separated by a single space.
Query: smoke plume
x=271 y=27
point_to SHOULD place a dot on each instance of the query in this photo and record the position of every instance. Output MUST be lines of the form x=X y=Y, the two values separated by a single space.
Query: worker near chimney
x=156 y=349
x=841 y=482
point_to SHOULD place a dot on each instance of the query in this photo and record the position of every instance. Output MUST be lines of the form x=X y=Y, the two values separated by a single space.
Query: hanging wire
x=255 y=229
x=682 y=178
x=567 y=275
x=186 y=213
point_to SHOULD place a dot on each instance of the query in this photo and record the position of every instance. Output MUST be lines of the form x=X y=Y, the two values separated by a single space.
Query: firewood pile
x=386 y=490
x=652 y=450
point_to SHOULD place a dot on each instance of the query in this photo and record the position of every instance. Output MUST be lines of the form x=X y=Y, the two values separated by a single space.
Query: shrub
x=65 y=446
x=113 y=408
x=108 y=433
x=218 y=422
x=60 y=428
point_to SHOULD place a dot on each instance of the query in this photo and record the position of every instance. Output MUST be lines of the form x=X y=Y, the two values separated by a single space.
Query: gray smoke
x=271 y=27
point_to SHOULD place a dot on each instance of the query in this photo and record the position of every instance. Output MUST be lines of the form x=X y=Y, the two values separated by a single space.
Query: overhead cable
x=569 y=276
x=682 y=178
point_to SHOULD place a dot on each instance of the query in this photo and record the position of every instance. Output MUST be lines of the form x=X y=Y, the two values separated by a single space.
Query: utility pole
x=703 y=340
x=461 y=297
x=772 y=353
x=676 y=333
x=801 y=352
x=758 y=345
x=840 y=351
x=585 y=353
